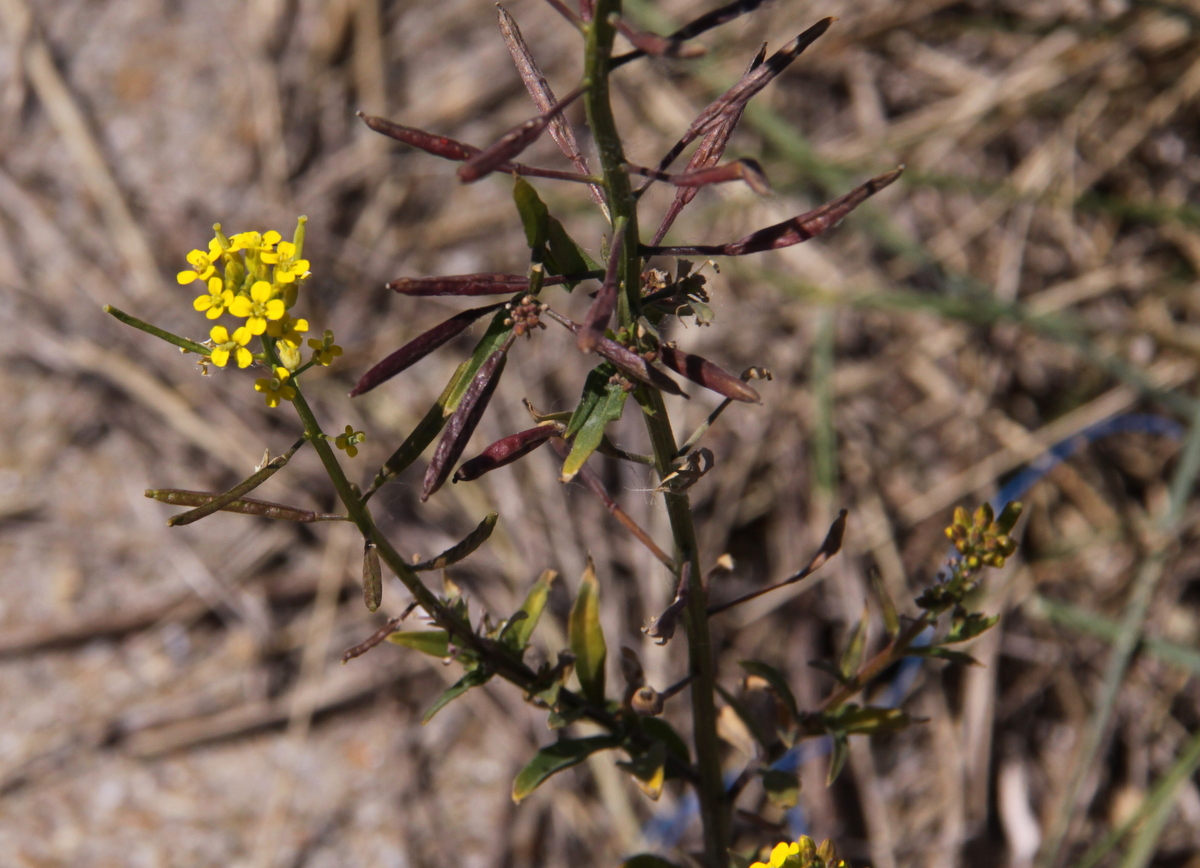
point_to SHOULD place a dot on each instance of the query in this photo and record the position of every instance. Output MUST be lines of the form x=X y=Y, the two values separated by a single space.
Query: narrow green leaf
x=181 y=342
x=591 y=433
x=837 y=759
x=853 y=719
x=778 y=683
x=435 y=643
x=966 y=625
x=594 y=391
x=782 y=788
x=891 y=620
x=554 y=758
x=565 y=256
x=852 y=656
x=519 y=632
x=534 y=216
x=942 y=654
x=474 y=678
x=495 y=336
x=457 y=552
x=585 y=637
x=420 y=437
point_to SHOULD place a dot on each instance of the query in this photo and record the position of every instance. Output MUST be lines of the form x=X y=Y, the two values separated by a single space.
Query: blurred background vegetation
x=173 y=697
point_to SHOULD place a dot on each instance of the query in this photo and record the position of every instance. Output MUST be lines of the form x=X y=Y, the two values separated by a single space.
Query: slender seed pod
x=461 y=284
x=789 y=232
x=505 y=451
x=462 y=422
x=372 y=577
x=709 y=375
x=605 y=302
x=419 y=347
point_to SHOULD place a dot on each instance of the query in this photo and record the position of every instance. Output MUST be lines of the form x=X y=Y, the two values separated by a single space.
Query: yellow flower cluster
x=802 y=854
x=256 y=277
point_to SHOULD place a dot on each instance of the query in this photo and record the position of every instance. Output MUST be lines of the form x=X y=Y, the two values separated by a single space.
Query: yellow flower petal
x=779 y=854
x=186 y=277
x=271 y=238
x=241 y=306
x=219 y=357
x=286 y=249
x=202 y=302
x=215 y=312
x=244 y=358
x=275 y=308
x=261 y=291
x=256 y=324
x=220 y=334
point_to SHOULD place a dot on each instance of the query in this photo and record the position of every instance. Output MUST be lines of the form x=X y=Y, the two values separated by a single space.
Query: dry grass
x=172 y=697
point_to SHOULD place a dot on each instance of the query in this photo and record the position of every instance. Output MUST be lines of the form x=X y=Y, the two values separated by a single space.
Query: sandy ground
x=174 y=697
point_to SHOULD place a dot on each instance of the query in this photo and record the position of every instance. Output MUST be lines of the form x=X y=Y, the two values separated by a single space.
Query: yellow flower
x=325 y=350
x=259 y=307
x=288 y=330
x=802 y=854
x=224 y=344
x=287 y=267
x=202 y=264
x=349 y=441
x=276 y=388
x=216 y=301
x=255 y=242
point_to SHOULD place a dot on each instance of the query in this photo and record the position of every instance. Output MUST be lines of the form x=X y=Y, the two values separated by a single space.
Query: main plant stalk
x=714 y=804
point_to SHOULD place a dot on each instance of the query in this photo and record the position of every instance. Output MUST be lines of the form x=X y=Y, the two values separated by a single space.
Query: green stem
x=714 y=805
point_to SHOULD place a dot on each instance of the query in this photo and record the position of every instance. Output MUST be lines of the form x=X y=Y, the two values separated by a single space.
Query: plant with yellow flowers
x=252 y=282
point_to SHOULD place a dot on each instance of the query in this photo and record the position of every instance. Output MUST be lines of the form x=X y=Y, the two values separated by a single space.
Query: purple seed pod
x=462 y=422
x=605 y=302
x=543 y=97
x=505 y=451
x=635 y=366
x=513 y=142
x=710 y=376
x=789 y=232
x=744 y=169
x=461 y=284
x=439 y=146
x=707 y=153
x=704 y=23
x=734 y=100
x=419 y=347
